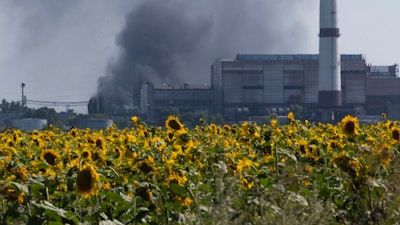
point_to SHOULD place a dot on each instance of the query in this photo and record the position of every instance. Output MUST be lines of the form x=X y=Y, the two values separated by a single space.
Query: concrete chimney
x=330 y=93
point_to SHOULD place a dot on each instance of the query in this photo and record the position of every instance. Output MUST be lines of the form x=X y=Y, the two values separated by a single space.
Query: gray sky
x=60 y=49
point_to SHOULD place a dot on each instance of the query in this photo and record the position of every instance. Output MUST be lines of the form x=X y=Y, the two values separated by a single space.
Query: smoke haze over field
x=176 y=41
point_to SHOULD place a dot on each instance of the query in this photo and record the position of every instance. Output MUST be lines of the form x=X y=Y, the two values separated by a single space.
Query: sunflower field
x=298 y=173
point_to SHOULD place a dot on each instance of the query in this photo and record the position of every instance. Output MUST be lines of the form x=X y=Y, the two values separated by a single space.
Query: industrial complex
x=327 y=85
x=255 y=85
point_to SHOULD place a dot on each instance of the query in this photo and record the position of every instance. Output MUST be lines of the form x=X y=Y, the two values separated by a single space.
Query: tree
x=297 y=111
x=10 y=106
x=49 y=114
x=96 y=105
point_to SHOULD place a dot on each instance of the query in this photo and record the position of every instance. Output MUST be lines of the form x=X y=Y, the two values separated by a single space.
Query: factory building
x=184 y=97
x=254 y=85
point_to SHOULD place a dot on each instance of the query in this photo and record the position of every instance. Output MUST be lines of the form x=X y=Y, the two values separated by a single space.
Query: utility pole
x=23 y=99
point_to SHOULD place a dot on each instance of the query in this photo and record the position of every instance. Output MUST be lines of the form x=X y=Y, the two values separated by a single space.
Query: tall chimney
x=330 y=93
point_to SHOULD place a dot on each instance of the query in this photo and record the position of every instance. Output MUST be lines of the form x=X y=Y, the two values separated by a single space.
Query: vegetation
x=299 y=173
x=96 y=105
x=190 y=119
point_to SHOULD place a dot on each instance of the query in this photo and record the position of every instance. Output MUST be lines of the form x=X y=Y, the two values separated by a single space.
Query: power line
x=56 y=103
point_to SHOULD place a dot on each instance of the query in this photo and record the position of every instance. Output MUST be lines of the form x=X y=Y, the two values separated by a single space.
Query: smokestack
x=330 y=93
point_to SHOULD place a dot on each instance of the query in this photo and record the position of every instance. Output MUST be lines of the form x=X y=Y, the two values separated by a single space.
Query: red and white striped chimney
x=330 y=93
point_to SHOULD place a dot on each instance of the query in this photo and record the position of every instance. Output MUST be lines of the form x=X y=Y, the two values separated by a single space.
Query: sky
x=62 y=50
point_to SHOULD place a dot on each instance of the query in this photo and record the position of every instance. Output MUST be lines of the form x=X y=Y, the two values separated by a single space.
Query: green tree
x=49 y=114
x=297 y=111
x=11 y=106
x=96 y=105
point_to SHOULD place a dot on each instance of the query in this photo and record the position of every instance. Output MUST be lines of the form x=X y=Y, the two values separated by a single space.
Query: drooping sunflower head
x=146 y=166
x=173 y=123
x=100 y=143
x=303 y=146
x=73 y=132
x=50 y=156
x=350 y=125
x=396 y=134
x=87 y=181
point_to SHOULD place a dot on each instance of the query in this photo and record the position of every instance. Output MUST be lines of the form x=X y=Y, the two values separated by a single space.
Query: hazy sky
x=60 y=49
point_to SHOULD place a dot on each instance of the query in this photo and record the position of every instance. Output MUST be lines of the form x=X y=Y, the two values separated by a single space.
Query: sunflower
x=396 y=134
x=145 y=193
x=50 y=156
x=173 y=123
x=86 y=154
x=246 y=185
x=350 y=125
x=303 y=147
x=14 y=195
x=87 y=181
x=183 y=201
x=176 y=178
x=290 y=117
x=135 y=119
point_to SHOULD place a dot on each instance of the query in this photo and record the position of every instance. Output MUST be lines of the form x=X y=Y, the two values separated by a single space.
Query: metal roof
x=292 y=57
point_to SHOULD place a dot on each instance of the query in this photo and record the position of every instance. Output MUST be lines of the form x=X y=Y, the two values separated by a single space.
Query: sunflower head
x=303 y=147
x=86 y=154
x=135 y=119
x=173 y=123
x=396 y=134
x=50 y=156
x=350 y=125
x=290 y=117
x=87 y=181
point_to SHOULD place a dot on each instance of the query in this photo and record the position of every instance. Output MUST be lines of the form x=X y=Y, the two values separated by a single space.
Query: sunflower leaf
x=48 y=206
x=21 y=187
x=178 y=189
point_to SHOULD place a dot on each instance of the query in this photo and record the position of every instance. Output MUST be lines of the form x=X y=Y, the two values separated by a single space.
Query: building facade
x=256 y=84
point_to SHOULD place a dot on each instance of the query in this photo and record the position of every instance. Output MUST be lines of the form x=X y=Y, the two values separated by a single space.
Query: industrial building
x=254 y=85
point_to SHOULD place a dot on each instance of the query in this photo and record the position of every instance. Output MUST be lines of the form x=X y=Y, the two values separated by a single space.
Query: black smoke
x=176 y=41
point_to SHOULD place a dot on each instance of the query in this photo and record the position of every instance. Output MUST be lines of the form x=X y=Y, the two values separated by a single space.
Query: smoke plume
x=176 y=41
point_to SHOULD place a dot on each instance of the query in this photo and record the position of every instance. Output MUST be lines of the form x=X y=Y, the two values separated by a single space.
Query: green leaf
x=53 y=217
x=177 y=189
x=206 y=188
x=267 y=182
x=48 y=206
x=36 y=188
x=21 y=187
x=288 y=153
x=125 y=197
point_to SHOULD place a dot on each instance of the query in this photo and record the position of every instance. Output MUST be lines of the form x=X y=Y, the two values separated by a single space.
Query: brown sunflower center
x=84 y=180
x=396 y=135
x=85 y=154
x=50 y=158
x=174 y=125
x=303 y=149
x=145 y=168
x=349 y=127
